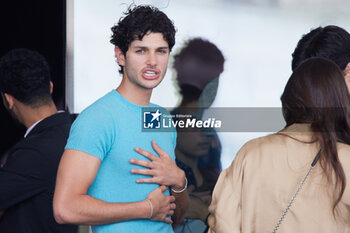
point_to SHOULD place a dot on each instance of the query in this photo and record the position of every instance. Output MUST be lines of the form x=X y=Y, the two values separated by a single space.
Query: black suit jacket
x=27 y=180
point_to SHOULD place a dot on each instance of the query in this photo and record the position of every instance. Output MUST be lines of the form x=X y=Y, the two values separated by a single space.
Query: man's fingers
x=146 y=180
x=168 y=220
x=172 y=206
x=171 y=212
x=143 y=163
x=145 y=153
x=159 y=150
x=163 y=188
x=146 y=172
x=172 y=198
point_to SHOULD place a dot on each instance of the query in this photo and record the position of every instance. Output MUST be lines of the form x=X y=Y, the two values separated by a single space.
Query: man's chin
x=150 y=86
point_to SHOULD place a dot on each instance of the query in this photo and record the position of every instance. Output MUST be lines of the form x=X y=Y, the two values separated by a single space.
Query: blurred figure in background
x=198 y=66
x=252 y=193
x=27 y=179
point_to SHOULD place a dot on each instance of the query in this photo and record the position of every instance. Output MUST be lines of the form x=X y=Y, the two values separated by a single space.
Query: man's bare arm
x=76 y=172
x=182 y=202
x=163 y=171
x=2 y=213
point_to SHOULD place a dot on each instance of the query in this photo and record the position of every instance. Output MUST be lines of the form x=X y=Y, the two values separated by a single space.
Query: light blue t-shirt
x=110 y=129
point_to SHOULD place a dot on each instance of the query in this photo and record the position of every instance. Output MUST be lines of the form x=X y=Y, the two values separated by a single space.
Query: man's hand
x=163 y=205
x=162 y=169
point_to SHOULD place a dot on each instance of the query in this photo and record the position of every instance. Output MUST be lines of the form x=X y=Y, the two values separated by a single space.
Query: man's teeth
x=150 y=73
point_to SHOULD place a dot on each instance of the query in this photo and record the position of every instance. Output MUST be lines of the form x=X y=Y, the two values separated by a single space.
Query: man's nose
x=152 y=60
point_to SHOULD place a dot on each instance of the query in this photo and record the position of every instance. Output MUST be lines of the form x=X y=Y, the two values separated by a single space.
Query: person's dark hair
x=25 y=75
x=198 y=63
x=331 y=42
x=189 y=94
x=139 y=21
x=316 y=93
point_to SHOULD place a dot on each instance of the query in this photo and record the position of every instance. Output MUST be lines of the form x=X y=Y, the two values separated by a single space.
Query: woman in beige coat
x=253 y=194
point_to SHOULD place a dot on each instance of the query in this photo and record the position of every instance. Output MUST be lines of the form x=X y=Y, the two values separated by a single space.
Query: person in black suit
x=27 y=179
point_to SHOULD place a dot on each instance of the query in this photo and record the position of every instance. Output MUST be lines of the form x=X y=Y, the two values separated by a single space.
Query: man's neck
x=29 y=116
x=134 y=94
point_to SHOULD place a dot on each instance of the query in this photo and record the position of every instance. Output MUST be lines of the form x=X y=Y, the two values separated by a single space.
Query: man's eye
x=162 y=51
x=140 y=51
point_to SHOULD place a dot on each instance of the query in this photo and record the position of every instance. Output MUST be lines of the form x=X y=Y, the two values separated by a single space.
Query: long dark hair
x=316 y=93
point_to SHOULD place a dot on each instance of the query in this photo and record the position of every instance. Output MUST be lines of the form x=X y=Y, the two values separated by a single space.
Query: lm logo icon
x=151 y=119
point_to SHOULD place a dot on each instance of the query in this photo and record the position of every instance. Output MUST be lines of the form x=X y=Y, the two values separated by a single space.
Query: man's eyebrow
x=145 y=47
x=140 y=47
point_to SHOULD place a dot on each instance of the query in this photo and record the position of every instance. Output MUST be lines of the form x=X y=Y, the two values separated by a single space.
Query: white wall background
x=256 y=38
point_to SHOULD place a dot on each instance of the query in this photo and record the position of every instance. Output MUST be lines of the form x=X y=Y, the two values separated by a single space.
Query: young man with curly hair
x=27 y=180
x=103 y=180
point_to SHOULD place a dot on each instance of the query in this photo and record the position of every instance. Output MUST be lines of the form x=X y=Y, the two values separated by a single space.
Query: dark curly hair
x=331 y=42
x=138 y=21
x=25 y=75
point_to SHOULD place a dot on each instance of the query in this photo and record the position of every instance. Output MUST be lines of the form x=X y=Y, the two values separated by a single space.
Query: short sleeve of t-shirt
x=93 y=132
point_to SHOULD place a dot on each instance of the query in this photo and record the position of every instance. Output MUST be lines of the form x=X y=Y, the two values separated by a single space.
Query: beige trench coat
x=252 y=193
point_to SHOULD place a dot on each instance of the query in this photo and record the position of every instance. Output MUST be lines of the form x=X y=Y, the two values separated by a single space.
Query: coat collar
x=56 y=119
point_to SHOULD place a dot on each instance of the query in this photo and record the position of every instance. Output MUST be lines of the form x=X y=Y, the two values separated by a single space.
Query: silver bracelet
x=180 y=191
x=151 y=206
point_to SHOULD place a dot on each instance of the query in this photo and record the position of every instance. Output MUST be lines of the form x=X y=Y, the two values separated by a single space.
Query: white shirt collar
x=33 y=125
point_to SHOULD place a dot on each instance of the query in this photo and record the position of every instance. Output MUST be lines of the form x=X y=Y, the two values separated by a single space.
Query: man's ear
x=119 y=55
x=346 y=72
x=51 y=87
x=9 y=100
x=347 y=69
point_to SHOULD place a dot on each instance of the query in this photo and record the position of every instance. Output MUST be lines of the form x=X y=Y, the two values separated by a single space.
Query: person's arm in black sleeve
x=22 y=177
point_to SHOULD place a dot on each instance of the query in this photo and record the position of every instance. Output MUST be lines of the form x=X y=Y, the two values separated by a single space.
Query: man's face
x=146 y=61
